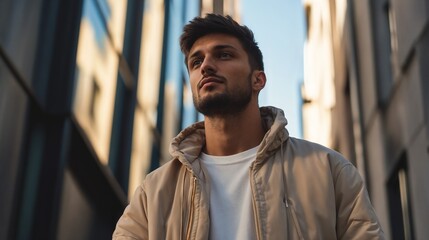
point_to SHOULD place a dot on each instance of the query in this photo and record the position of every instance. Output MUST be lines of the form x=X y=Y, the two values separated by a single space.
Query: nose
x=208 y=66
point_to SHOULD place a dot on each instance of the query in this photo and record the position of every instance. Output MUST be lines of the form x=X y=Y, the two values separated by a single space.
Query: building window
x=385 y=47
x=393 y=40
x=399 y=202
x=94 y=101
x=308 y=19
x=392 y=28
x=99 y=52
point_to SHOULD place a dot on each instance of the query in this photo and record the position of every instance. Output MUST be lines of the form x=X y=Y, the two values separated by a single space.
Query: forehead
x=214 y=40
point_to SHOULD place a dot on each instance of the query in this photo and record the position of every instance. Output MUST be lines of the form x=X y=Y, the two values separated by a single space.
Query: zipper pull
x=285 y=201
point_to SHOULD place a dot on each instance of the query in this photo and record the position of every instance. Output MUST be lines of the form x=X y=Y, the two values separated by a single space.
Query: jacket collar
x=187 y=145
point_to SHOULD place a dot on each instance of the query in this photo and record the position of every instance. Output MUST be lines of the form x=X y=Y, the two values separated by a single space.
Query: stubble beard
x=226 y=103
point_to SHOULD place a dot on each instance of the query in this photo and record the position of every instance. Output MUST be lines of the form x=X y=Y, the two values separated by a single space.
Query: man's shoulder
x=308 y=149
x=314 y=158
x=166 y=171
x=307 y=145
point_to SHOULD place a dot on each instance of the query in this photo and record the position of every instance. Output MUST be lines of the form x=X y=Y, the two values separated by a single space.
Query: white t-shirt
x=231 y=210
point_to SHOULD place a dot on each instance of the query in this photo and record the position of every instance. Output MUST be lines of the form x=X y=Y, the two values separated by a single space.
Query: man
x=238 y=174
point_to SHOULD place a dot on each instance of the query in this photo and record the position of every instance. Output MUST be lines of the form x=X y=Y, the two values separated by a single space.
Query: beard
x=225 y=103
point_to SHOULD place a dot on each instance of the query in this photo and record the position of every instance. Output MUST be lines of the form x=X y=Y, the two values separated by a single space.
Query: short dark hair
x=216 y=23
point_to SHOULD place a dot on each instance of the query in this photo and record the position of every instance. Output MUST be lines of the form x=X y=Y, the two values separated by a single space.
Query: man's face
x=220 y=75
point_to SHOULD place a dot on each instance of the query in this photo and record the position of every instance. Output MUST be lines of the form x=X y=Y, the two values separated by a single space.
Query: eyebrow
x=217 y=47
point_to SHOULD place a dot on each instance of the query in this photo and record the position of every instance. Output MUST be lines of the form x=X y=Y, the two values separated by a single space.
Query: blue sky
x=279 y=29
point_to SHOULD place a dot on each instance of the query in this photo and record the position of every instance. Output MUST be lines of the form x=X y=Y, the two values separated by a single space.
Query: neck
x=228 y=135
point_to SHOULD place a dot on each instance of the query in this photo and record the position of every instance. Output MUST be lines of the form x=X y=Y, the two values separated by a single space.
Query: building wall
x=382 y=102
x=318 y=91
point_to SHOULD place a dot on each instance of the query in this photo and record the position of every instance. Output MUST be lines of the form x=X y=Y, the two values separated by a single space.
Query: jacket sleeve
x=356 y=218
x=133 y=223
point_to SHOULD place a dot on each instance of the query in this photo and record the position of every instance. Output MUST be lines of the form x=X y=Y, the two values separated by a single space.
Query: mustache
x=210 y=78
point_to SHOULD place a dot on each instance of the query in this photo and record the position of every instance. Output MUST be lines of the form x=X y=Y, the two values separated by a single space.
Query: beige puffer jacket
x=301 y=190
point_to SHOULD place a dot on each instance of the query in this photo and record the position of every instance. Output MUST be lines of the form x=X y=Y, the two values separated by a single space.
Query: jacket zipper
x=291 y=212
x=256 y=213
x=191 y=211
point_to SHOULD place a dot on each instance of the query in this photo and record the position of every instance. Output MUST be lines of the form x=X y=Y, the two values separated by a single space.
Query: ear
x=258 y=80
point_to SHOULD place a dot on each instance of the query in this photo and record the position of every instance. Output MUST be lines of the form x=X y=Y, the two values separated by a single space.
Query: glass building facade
x=91 y=93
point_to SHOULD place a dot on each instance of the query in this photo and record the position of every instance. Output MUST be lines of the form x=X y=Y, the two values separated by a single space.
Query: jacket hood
x=188 y=144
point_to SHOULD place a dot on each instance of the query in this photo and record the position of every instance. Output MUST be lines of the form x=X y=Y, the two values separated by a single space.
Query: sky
x=279 y=29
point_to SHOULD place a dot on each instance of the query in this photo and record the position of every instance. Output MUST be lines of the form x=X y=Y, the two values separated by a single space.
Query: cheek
x=242 y=74
x=194 y=91
x=193 y=82
x=239 y=69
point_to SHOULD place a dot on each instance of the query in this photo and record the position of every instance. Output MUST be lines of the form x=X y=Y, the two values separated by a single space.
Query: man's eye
x=225 y=55
x=196 y=62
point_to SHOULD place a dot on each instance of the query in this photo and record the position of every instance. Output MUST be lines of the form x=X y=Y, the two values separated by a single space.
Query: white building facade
x=366 y=95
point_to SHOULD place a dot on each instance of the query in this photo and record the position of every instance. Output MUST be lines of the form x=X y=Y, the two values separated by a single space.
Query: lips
x=209 y=79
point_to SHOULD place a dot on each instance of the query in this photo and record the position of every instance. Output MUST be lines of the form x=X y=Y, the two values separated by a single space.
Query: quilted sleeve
x=356 y=218
x=133 y=223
